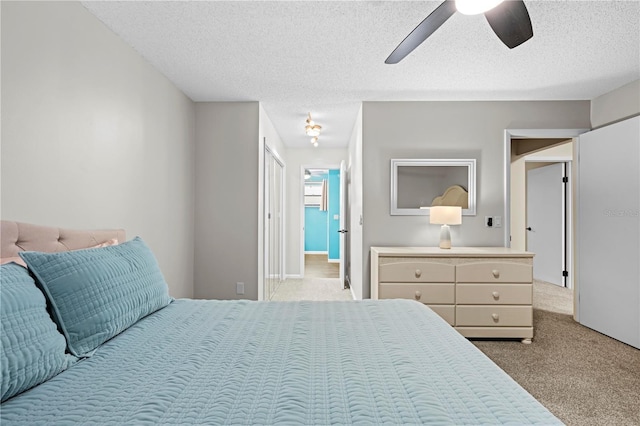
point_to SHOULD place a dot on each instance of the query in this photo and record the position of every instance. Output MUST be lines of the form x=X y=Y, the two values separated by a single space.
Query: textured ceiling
x=326 y=57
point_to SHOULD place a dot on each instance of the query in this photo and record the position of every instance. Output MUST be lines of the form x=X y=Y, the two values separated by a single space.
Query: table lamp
x=445 y=216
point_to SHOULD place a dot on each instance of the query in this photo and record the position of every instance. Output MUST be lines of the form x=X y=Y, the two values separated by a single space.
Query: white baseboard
x=293 y=276
x=333 y=260
x=316 y=252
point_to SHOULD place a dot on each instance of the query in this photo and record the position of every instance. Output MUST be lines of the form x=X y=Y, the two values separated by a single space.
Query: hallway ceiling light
x=312 y=129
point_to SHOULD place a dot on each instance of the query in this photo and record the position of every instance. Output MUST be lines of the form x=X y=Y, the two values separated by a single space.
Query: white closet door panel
x=608 y=233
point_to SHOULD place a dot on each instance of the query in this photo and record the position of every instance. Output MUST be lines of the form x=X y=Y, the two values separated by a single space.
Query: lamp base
x=445 y=237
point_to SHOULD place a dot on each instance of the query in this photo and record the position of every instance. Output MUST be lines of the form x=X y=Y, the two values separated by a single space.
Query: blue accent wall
x=315 y=223
x=334 y=211
x=315 y=229
x=320 y=227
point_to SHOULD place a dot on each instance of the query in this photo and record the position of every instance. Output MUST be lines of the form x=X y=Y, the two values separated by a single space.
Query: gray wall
x=93 y=136
x=446 y=130
x=226 y=204
x=621 y=103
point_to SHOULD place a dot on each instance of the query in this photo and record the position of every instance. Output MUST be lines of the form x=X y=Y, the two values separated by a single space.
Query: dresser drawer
x=494 y=316
x=446 y=312
x=418 y=271
x=489 y=272
x=494 y=294
x=425 y=293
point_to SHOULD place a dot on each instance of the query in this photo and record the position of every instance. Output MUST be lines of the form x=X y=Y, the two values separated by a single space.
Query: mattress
x=313 y=363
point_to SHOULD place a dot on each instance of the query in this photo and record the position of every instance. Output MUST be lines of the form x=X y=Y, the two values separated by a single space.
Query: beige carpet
x=583 y=377
x=321 y=282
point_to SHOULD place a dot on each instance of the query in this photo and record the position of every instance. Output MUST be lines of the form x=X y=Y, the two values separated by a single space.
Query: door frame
x=567 y=212
x=536 y=134
x=344 y=225
x=303 y=167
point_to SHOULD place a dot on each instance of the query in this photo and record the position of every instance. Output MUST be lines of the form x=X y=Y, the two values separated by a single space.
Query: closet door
x=273 y=223
x=608 y=230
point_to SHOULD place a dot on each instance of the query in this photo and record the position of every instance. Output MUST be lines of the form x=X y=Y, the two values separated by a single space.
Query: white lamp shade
x=445 y=215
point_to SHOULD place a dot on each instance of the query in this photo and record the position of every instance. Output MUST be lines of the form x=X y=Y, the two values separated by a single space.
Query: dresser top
x=452 y=252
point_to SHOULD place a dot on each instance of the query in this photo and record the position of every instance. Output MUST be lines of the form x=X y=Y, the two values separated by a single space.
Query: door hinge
x=565 y=179
x=565 y=273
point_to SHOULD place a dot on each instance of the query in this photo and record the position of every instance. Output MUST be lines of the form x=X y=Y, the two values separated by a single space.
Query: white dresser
x=481 y=291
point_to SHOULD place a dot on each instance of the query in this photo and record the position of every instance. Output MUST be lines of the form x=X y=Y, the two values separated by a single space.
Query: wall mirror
x=416 y=185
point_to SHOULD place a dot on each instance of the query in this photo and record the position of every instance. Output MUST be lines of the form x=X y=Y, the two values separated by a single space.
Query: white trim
x=544 y=134
x=557 y=159
x=261 y=145
x=316 y=252
x=293 y=276
x=333 y=260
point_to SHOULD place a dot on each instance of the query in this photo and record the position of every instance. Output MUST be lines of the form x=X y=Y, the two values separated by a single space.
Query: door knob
x=343 y=231
x=528 y=228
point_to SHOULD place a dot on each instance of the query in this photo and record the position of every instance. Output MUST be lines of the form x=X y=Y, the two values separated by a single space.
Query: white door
x=545 y=222
x=343 y=228
x=608 y=232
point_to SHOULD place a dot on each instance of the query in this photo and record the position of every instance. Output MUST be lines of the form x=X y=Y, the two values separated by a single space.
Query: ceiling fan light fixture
x=314 y=139
x=312 y=129
x=475 y=7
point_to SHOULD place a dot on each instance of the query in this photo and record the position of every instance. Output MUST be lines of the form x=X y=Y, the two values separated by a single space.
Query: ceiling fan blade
x=422 y=31
x=511 y=22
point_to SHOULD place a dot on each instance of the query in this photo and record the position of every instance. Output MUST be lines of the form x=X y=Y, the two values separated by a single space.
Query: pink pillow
x=18 y=260
x=108 y=243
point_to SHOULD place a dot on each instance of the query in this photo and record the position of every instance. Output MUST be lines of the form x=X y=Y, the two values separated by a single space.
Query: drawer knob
x=418 y=273
x=496 y=295
x=418 y=295
x=496 y=273
x=495 y=317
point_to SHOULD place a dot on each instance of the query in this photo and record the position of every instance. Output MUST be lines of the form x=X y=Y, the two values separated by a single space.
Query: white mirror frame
x=424 y=211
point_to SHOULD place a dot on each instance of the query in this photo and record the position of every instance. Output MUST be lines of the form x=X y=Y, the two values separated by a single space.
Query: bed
x=226 y=362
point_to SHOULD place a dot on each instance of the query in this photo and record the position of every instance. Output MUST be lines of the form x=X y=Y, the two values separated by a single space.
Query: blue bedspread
x=313 y=363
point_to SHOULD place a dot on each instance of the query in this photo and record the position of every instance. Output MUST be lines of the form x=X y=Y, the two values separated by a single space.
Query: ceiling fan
x=508 y=19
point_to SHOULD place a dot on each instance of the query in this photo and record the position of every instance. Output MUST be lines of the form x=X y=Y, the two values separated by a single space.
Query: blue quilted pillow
x=33 y=350
x=97 y=293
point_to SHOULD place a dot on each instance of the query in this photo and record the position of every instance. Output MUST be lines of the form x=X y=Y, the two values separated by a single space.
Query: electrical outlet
x=239 y=288
x=488 y=221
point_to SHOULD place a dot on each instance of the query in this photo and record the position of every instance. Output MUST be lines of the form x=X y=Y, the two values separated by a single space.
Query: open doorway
x=321 y=222
x=547 y=218
x=539 y=210
x=321 y=242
